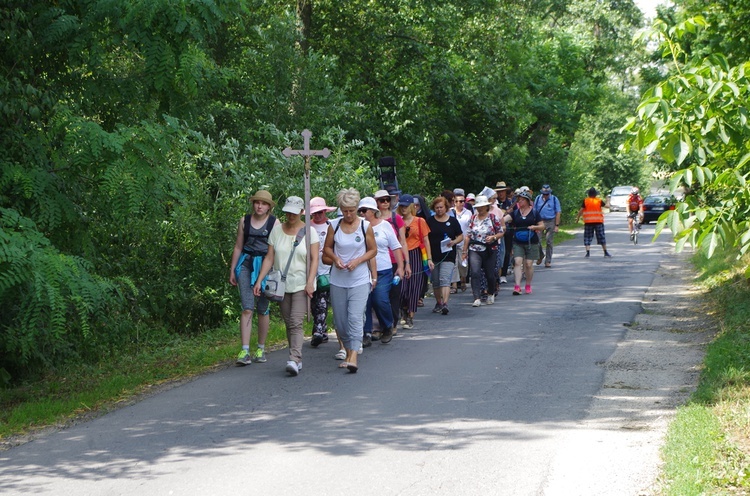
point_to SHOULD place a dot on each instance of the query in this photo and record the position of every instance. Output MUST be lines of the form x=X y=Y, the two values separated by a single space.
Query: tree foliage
x=697 y=121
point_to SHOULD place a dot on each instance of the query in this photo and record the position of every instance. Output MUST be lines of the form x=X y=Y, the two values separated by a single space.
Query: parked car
x=618 y=198
x=655 y=205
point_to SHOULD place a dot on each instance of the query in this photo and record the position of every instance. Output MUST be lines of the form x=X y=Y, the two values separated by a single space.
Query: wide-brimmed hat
x=393 y=190
x=318 y=204
x=481 y=201
x=486 y=192
x=294 y=205
x=369 y=203
x=525 y=194
x=546 y=190
x=264 y=196
x=381 y=193
x=501 y=186
x=406 y=200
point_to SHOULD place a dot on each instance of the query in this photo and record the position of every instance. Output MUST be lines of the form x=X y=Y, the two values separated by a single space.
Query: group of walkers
x=376 y=256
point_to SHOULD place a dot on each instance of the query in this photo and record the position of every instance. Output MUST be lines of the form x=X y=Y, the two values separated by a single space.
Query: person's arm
x=404 y=251
x=237 y=251
x=265 y=268
x=329 y=256
x=313 y=272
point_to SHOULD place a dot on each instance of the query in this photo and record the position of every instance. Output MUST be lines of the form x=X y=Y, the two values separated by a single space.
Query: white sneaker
x=476 y=303
x=292 y=367
x=340 y=355
x=490 y=299
x=503 y=280
x=360 y=350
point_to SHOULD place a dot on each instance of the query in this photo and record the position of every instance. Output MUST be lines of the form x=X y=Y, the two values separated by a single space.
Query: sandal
x=352 y=368
x=453 y=290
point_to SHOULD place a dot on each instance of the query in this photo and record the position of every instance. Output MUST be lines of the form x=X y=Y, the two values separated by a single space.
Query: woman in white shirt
x=300 y=282
x=385 y=239
x=349 y=245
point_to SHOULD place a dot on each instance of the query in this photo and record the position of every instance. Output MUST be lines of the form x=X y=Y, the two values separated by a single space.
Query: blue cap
x=546 y=190
x=405 y=200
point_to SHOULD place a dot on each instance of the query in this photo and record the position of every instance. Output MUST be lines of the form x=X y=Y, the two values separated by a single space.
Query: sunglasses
x=408 y=230
x=460 y=201
x=384 y=200
x=362 y=211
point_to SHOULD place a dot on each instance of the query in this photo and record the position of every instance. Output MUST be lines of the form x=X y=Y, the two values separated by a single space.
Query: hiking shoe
x=588 y=254
x=476 y=303
x=318 y=339
x=260 y=356
x=438 y=308
x=367 y=341
x=340 y=355
x=527 y=289
x=376 y=335
x=293 y=367
x=606 y=254
x=360 y=350
x=503 y=280
x=409 y=323
x=444 y=309
x=387 y=335
x=244 y=358
x=632 y=236
x=516 y=289
x=491 y=300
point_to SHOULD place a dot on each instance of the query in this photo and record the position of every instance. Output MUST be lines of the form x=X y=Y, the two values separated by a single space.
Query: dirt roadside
x=616 y=449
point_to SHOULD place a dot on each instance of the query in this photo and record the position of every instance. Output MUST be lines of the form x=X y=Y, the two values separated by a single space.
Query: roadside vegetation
x=708 y=444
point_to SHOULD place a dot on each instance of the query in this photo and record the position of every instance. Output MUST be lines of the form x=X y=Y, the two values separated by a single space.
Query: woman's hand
x=407 y=271
x=310 y=289
x=430 y=264
x=232 y=278
x=340 y=264
x=256 y=288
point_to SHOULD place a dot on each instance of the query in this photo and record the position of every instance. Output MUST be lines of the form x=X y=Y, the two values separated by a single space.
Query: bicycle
x=636 y=230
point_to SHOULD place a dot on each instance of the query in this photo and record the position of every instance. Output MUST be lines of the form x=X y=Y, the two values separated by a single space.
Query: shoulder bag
x=276 y=279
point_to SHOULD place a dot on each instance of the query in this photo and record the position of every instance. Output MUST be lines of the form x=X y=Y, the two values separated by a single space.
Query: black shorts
x=633 y=214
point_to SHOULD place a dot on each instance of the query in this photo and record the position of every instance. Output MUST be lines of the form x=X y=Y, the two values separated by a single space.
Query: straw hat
x=264 y=196
x=501 y=186
x=318 y=204
x=481 y=201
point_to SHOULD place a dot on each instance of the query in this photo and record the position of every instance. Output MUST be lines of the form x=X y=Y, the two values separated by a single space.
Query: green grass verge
x=707 y=450
x=66 y=393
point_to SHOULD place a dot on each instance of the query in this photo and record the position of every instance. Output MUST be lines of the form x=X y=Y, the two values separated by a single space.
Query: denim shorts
x=247 y=297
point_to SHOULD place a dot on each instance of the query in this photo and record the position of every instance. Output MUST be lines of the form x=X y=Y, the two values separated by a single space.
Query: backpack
x=634 y=202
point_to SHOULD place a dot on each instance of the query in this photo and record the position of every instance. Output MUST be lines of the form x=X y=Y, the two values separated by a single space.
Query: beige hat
x=264 y=196
x=481 y=201
x=318 y=204
x=381 y=193
x=294 y=205
x=500 y=186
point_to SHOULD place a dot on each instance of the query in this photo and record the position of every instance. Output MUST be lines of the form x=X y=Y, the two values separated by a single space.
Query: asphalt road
x=481 y=401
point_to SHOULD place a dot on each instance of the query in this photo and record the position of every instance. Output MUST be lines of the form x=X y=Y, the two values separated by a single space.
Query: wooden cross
x=307 y=153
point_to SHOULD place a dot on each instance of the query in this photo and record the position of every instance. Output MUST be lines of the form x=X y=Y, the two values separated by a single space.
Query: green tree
x=697 y=121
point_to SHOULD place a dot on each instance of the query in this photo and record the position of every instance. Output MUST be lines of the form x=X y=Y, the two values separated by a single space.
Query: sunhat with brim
x=371 y=204
x=294 y=205
x=501 y=186
x=546 y=190
x=481 y=201
x=264 y=196
x=405 y=200
x=525 y=194
x=318 y=204
x=381 y=193
x=470 y=196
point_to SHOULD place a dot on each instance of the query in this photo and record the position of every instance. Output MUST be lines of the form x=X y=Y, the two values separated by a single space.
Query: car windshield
x=621 y=190
x=657 y=200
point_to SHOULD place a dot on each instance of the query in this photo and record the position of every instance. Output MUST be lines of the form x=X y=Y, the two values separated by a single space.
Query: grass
x=707 y=450
x=64 y=394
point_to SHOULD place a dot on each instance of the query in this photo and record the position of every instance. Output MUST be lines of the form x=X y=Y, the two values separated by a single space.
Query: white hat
x=481 y=201
x=369 y=203
x=294 y=205
x=471 y=196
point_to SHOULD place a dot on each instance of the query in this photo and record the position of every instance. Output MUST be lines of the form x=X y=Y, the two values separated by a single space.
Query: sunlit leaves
x=699 y=119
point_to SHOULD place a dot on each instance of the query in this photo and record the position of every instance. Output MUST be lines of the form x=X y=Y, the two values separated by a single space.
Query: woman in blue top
x=527 y=224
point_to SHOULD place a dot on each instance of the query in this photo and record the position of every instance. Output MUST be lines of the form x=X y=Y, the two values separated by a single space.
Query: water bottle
x=396 y=280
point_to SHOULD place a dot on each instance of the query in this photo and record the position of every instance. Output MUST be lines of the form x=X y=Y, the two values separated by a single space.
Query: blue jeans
x=380 y=300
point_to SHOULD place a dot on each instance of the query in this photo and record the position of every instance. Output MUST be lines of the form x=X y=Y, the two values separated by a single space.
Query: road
x=484 y=400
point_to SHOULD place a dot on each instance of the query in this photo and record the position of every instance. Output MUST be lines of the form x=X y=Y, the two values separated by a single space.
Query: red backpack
x=634 y=202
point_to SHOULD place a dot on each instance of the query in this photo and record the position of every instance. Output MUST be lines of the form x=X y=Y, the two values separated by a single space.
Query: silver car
x=618 y=198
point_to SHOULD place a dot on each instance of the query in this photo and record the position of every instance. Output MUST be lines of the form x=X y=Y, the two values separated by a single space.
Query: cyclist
x=635 y=208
